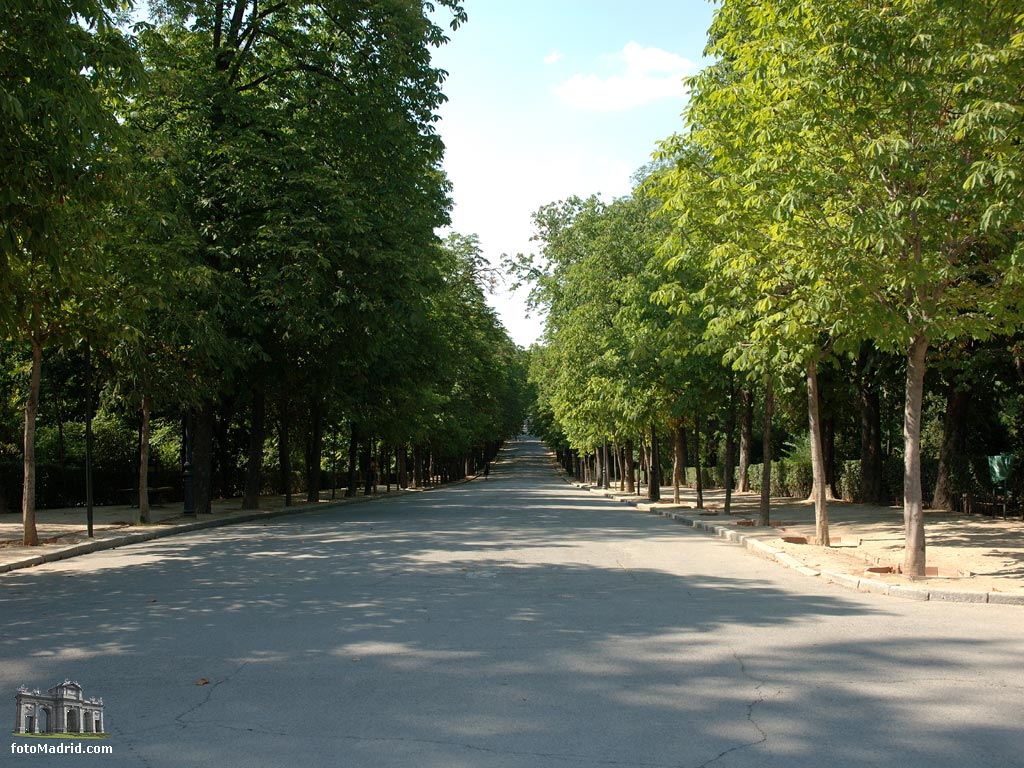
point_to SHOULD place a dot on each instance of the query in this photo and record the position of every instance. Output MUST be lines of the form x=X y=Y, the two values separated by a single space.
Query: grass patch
x=61 y=735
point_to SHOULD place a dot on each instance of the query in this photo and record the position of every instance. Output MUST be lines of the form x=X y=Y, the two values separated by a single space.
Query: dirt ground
x=970 y=552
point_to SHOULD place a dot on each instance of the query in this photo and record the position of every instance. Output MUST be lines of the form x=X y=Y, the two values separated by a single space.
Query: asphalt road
x=514 y=622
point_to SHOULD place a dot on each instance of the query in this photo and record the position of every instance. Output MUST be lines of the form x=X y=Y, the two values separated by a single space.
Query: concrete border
x=759 y=547
x=163 y=530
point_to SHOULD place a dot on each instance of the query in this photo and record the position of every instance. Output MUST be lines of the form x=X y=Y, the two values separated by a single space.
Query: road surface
x=515 y=622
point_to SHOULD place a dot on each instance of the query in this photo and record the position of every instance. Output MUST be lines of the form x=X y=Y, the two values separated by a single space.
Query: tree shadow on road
x=474 y=626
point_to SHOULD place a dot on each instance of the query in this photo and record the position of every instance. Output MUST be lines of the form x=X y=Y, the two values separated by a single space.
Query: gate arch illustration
x=62 y=709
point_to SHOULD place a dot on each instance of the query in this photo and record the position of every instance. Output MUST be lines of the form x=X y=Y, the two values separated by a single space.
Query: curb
x=846 y=580
x=137 y=537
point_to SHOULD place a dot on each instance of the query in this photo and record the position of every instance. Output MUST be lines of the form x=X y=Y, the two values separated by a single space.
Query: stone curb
x=846 y=580
x=136 y=537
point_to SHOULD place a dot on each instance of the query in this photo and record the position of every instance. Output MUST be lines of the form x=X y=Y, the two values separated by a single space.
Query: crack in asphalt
x=180 y=718
x=750 y=716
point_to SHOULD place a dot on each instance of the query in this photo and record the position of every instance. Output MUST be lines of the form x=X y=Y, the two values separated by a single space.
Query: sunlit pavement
x=513 y=621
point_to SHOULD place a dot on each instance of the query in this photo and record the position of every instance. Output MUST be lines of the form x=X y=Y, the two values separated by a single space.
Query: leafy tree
x=879 y=137
x=60 y=64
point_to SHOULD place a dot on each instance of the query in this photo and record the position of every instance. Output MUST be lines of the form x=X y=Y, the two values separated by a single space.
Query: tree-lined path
x=514 y=621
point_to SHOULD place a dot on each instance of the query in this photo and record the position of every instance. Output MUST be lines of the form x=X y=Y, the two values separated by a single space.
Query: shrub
x=849 y=480
x=779 y=487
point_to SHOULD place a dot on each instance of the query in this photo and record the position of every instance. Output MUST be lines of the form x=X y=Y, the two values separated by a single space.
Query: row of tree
x=847 y=191
x=232 y=207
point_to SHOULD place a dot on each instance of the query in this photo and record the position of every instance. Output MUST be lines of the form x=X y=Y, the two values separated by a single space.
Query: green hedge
x=793 y=477
x=968 y=475
x=789 y=478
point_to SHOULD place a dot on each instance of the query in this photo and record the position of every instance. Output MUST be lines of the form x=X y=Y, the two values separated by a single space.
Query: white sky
x=552 y=98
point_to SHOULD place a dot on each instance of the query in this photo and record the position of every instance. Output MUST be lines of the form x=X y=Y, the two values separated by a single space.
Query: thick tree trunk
x=817 y=457
x=202 y=459
x=402 y=466
x=913 y=504
x=871 y=486
x=746 y=438
x=630 y=480
x=28 y=495
x=254 y=459
x=764 y=510
x=654 y=471
x=678 y=459
x=144 y=515
x=954 y=430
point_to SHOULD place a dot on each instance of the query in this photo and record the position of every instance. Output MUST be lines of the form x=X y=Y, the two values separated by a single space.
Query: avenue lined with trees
x=220 y=250
x=218 y=230
x=841 y=215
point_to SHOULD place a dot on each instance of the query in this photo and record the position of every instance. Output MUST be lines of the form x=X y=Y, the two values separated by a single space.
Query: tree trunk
x=699 y=481
x=871 y=486
x=284 y=455
x=28 y=495
x=366 y=464
x=828 y=446
x=817 y=457
x=417 y=467
x=353 y=462
x=630 y=482
x=746 y=438
x=678 y=458
x=730 y=446
x=954 y=430
x=402 y=461
x=144 y=515
x=913 y=505
x=254 y=460
x=654 y=470
x=202 y=459
x=607 y=476
x=314 y=452
x=766 y=444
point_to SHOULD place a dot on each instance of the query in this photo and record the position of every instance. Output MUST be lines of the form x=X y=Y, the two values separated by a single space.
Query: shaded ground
x=517 y=622
x=971 y=552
